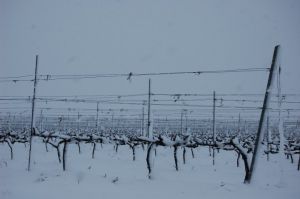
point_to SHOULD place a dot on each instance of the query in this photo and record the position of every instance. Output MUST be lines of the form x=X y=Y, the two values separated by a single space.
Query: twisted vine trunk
x=132 y=147
x=133 y=153
x=193 y=156
x=58 y=154
x=150 y=150
x=64 y=154
x=175 y=157
x=79 y=149
x=94 y=148
x=10 y=148
x=46 y=146
x=183 y=155
x=246 y=165
x=238 y=159
x=245 y=159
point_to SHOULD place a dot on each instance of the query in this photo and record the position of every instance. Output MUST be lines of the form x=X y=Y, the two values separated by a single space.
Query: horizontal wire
x=49 y=77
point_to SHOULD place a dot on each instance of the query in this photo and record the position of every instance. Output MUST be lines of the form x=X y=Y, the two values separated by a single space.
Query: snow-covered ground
x=115 y=175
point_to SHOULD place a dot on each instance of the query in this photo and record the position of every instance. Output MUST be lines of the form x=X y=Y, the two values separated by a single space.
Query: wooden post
x=186 y=122
x=181 y=123
x=68 y=124
x=97 y=117
x=112 y=120
x=149 y=107
x=78 y=116
x=268 y=145
x=41 y=120
x=32 y=110
x=63 y=122
x=214 y=125
x=143 y=118
x=259 y=135
x=239 y=123
x=8 y=121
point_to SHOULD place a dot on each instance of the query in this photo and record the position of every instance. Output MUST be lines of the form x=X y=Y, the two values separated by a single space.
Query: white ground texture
x=115 y=175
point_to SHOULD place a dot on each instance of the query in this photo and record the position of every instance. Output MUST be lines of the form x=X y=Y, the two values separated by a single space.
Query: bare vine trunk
x=149 y=159
x=94 y=148
x=175 y=157
x=11 y=150
x=64 y=154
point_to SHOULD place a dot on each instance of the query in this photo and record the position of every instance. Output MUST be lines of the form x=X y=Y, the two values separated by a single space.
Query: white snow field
x=115 y=175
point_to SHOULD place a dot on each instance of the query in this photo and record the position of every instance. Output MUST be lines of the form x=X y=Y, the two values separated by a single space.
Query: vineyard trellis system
x=246 y=145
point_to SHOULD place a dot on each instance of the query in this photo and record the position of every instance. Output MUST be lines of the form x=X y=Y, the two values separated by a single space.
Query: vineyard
x=227 y=139
x=233 y=132
x=149 y=99
x=87 y=159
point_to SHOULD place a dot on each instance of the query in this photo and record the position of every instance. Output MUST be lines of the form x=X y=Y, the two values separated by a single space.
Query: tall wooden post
x=186 y=122
x=239 y=123
x=181 y=122
x=259 y=136
x=78 y=125
x=143 y=118
x=112 y=120
x=68 y=124
x=214 y=125
x=9 y=121
x=41 y=120
x=32 y=125
x=149 y=108
x=97 y=117
x=267 y=140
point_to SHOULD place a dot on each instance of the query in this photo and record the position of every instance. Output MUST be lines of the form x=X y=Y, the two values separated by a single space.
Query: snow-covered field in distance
x=115 y=175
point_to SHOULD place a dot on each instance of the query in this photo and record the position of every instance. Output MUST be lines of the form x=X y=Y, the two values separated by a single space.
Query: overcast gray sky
x=122 y=36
